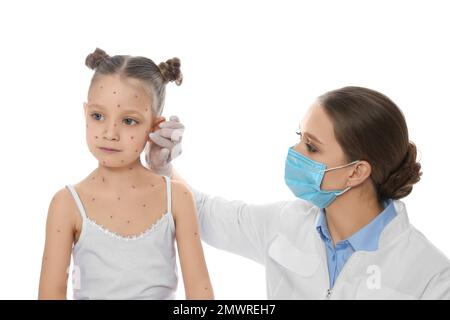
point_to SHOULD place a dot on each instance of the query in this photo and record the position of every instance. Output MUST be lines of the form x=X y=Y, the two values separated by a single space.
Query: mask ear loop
x=343 y=166
x=344 y=191
x=339 y=167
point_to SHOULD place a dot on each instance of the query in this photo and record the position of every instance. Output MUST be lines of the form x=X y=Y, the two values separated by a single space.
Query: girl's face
x=319 y=143
x=118 y=116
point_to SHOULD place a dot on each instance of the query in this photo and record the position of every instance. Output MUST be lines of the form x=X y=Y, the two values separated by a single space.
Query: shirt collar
x=367 y=237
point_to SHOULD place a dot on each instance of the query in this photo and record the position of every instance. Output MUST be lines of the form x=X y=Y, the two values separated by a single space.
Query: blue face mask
x=304 y=177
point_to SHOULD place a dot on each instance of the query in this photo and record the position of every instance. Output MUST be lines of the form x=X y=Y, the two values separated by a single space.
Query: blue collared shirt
x=365 y=239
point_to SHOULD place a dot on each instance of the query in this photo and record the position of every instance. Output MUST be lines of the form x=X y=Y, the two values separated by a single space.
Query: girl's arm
x=195 y=273
x=58 y=245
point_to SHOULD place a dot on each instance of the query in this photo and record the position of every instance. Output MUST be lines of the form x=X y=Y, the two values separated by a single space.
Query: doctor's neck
x=351 y=212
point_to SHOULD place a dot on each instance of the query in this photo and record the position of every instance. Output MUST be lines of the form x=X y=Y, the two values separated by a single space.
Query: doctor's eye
x=130 y=120
x=311 y=148
x=94 y=114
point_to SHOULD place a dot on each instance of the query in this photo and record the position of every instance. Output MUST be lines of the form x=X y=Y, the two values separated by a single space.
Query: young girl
x=119 y=222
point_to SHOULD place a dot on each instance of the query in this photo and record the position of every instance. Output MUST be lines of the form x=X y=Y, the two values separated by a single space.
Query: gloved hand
x=165 y=146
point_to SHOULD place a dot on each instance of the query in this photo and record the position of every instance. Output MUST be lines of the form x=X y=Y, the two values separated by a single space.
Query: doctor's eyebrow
x=311 y=136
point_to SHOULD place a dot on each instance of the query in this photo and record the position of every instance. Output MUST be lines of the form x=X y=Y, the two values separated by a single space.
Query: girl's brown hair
x=370 y=127
x=153 y=77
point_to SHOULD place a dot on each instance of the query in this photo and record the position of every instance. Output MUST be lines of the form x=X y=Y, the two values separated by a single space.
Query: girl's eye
x=95 y=114
x=299 y=133
x=130 y=120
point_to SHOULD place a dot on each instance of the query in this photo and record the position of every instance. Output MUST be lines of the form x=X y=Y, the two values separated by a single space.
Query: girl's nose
x=112 y=131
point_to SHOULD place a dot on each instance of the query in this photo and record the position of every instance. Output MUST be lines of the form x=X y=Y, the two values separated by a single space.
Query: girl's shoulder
x=182 y=198
x=63 y=208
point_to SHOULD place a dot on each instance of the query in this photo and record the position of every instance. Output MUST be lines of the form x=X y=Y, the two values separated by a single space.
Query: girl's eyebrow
x=99 y=106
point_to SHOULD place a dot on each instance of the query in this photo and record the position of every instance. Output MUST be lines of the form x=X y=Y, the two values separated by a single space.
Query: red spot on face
x=96 y=137
x=133 y=187
x=118 y=106
x=121 y=161
x=118 y=198
x=103 y=179
x=132 y=137
x=114 y=92
x=135 y=150
x=115 y=125
x=130 y=168
x=101 y=87
x=93 y=199
x=104 y=162
x=143 y=205
x=135 y=96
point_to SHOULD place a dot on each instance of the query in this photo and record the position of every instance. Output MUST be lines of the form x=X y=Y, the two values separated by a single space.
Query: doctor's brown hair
x=153 y=77
x=370 y=127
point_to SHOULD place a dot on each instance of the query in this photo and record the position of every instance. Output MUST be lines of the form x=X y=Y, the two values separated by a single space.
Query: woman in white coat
x=348 y=235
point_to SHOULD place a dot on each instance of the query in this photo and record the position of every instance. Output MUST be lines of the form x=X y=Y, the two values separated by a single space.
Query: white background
x=251 y=69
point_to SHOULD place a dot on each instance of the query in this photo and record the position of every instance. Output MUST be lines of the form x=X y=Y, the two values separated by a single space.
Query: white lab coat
x=283 y=237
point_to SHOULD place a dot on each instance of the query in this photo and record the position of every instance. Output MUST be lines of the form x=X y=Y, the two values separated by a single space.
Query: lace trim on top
x=130 y=237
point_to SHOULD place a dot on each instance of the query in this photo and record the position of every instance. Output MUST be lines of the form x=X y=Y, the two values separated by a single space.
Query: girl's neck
x=133 y=175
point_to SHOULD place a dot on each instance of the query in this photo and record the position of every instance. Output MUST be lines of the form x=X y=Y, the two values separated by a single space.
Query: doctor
x=348 y=235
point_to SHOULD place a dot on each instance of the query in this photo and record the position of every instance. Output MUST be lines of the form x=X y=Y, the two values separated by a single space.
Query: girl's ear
x=155 y=126
x=156 y=123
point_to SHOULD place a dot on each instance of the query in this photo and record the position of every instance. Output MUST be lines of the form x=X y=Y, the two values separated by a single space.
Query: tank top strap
x=77 y=200
x=169 y=194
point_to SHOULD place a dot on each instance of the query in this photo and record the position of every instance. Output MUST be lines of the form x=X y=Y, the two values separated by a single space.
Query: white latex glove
x=165 y=146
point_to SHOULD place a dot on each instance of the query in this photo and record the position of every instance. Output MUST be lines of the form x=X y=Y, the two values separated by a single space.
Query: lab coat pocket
x=302 y=263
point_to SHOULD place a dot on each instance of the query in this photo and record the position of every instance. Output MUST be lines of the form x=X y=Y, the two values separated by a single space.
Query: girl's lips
x=108 y=150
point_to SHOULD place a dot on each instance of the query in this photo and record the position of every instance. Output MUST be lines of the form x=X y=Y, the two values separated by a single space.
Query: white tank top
x=107 y=265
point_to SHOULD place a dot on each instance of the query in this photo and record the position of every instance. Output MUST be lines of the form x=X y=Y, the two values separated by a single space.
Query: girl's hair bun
x=170 y=71
x=95 y=58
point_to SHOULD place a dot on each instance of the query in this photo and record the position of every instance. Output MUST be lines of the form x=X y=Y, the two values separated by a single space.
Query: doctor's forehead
x=317 y=123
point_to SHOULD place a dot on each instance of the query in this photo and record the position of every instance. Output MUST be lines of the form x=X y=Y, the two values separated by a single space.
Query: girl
x=119 y=222
x=348 y=235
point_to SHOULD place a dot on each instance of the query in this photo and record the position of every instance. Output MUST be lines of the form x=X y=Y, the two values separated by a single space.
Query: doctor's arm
x=439 y=287
x=235 y=226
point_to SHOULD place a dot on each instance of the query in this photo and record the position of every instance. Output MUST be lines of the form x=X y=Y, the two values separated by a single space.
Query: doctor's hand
x=165 y=146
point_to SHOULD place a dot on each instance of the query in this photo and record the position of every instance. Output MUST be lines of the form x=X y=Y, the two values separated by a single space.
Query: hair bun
x=170 y=71
x=95 y=58
x=400 y=182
